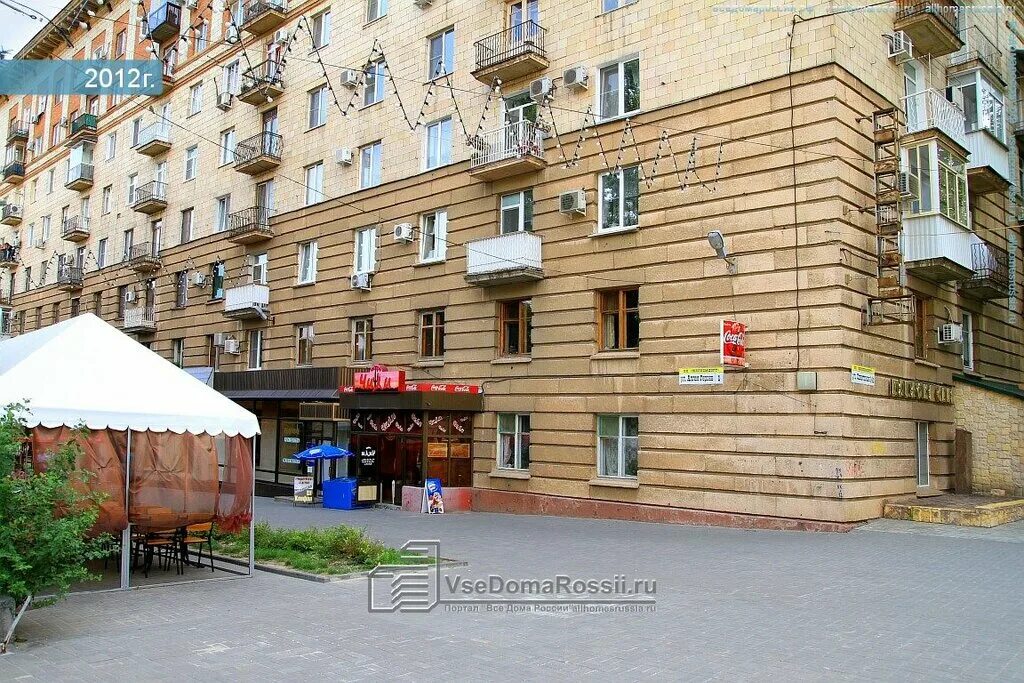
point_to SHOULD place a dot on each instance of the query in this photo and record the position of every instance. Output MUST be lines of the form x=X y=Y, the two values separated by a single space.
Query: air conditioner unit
x=278 y=4
x=231 y=346
x=349 y=78
x=232 y=36
x=422 y=4
x=540 y=88
x=219 y=338
x=573 y=202
x=39 y=243
x=343 y=156
x=199 y=279
x=900 y=46
x=191 y=4
x=951 y=333
x=63 y=122
x=281 y=36
x=306 y=333
x=224 y=101
x=129 y=296
x=404 y=232
x=909 y=186
x=576 y=77
x=250 y=260
x=361 y=281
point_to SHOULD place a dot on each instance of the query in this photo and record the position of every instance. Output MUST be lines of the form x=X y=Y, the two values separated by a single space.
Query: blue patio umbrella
x=326 y=452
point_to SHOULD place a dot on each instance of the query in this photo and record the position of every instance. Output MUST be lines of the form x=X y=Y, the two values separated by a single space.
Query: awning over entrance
x=296 y=384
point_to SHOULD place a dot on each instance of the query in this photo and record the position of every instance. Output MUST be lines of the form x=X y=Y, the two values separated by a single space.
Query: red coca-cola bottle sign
x=734 y=343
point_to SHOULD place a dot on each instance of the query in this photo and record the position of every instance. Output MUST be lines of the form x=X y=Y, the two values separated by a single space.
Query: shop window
x=618 y=442
x=432 y=334
x=920 y=327
x=620 y=319
x=516 y=326
x=513 y=441
x=362 y=339
x=304 y=344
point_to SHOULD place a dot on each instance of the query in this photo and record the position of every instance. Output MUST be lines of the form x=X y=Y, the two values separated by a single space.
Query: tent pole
x=252 y=514
x=126 y=535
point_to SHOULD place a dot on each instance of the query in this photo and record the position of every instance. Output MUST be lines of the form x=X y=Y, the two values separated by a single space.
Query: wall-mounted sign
x=423 y=387
x=701 y=375
x=926 y=392
x=303 y=489
x=437 y=449
x=734 y=344
x=862 y=374
x=379 y=378
x=459 y=450
x=291 y=439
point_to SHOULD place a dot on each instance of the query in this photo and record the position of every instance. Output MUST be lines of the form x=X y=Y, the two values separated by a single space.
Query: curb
x=321 y=578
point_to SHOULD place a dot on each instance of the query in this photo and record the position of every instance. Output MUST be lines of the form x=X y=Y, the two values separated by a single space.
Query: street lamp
x=717 y=243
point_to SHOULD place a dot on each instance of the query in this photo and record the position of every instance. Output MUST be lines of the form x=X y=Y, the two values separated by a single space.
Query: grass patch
x=328 y=550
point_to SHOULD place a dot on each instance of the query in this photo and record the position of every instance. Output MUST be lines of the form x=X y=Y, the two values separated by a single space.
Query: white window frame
x=315 y=183
x=438 y=151
x=375 y=150
x=362 y=329
x=376 y=9
x=517 y=434
x=101 y=253
x=304 y=333
x=255 y=349
x=227 y=147
x=307 y=263
x=373 y=90
x=195 y=99
x=439 y=233
x=107 y=199
x=519 y=207
x=321 y=29
x=967 y=353
x=939 y=175
x=619 y=177
x=178 y=352
x=620 y=105
x=432 y=72
x=620 y=440
x=364 y=250
x=222 y=209
x=191 y=162
x=317 y=108
x=191 y=213
x=111 y=146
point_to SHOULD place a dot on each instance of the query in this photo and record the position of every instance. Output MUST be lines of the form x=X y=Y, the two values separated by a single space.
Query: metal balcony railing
x=143 y=251
x=70 y=276
x=142 y=317
x=255 y=218
x=265 y=74
x=527 y=37
x=949 y=13
x=257 y=8
x=164 y=21
x=509 y=252
x=17 y=130
x=11 y=210
x=9 y=254
x=262 y=144
x=83 y=122
x=930 y=109
x=244 y=298
x=75 y=225
x=519 y=139
x=80 y=172
x=6 y=298
x=160 y=131
x=990 y=262
x=14 y=168
x=978 y=46
x=153 y=190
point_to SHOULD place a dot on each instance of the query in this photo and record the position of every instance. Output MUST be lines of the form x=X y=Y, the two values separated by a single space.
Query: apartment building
x=470 y=240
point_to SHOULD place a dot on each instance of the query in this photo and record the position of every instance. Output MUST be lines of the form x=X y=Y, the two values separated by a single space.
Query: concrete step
x=959 y=510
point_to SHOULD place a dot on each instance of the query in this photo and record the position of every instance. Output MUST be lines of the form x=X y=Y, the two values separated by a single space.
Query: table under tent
x=172 y=457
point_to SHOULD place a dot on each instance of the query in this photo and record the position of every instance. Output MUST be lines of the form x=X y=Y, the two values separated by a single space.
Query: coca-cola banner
x=734 y=344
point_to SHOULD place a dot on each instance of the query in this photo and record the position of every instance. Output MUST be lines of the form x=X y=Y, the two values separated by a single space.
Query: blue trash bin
x=340 y=494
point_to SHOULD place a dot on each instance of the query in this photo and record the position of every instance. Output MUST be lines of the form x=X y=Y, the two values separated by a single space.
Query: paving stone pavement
x=889 y=601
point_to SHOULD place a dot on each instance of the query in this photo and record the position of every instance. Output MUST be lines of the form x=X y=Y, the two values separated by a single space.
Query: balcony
x=140 y=320
x=933 y=25
x=9 y=257
x=505 y=259
x=247 y=302
x=6 y=299
x=144 y=258
x=6 y=326
x=511 y=150
x=261 y=16
x=929 y=111
x=991 y=279
x=164 y=22
x=75 y=229
x=512 y=54
x=154 y=139
x=261 y=152
x=249 y=226
x=262 y=81
x=83 y=129
x=988 y=168
x=937 y=249
x=79 y=177
x=150 y=198
x=17 y=131
x=14 y=171
x=69 y=279
x=978 y=52
x=11 y=214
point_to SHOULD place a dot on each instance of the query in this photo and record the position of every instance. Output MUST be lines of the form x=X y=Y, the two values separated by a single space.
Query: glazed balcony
x=262 y=81
x=139 y=320
x=250 y=226
x=937 y=249
x=6 y=299
x=83 y=129
x=511 y=150
x=154 y=139
x=505 y=259
x=17 y=131
x=511 y=54
x=247 y=302
x=930 y=112
x=75 y=229
x=80 y=177
x=260 y=153
x=988 y=167
x=9 y=257
x=261 y=16
x=978 y=52
x=14 y=171
x=991 y=279
x=144 y=258
x=70 y=278
x=11 y=214
x=933 y=25
x=150 y=198
x=164 y=22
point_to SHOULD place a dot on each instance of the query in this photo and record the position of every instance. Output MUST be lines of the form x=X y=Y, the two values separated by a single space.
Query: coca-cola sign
x=734 y=344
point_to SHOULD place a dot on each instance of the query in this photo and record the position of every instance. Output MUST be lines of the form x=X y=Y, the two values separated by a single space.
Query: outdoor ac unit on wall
x=576 y=78
x=573 y=202
x=404 y=232
x=343 y=156
x=361 y=281
x=422 y=4
x=909 y=186
x=281 y=36
x=349 y=78
x=951 y=333
x=231 y=346
x=219 y=338
x=540 y=88
x=199 y=279
x=900 y=46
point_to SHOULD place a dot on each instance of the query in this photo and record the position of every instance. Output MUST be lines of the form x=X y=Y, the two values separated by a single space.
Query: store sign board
x=862 y=374
x=379 y=378
x=303 y=489
x=734 y=344
x=433 y=497
x=912 y=390
x=424 y=388
x=701 y=375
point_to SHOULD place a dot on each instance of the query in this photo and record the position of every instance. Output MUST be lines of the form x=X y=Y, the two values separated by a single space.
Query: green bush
x=44 y=520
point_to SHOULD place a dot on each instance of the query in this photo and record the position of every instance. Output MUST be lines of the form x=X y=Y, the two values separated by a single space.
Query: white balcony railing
x=513 y=141
x=987 y=151
x=140 y=318
x=930 y=109
x=935 y=237
x=512 y=252
x=246 y=297
x=155 y=132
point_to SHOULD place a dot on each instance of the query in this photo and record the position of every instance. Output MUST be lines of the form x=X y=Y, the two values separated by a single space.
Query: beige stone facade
x=993 y=418
x=782 y=164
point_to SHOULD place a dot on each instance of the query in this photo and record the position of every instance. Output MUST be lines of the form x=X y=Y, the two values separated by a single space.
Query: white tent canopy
x=85 y=371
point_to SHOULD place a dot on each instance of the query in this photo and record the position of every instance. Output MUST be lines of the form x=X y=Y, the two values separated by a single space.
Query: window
x=181 y=289
x=375 y=9
x=186 y=225
x=258 y=270
x=919 y=166
x=129 y=240
x=369 y=165
x=120 y=44
x=28 y=278
x=223 y=210
x=967 y=320
x=136 y=130
x=609 y=5
x=178 y=352
x=203 y=36
x=432 y=334
x=439 y=143
x=442 y=54
x=318 y=107
x=433 y=236
x=101 y=253
x=122 y=293
x=365 y=251
x=307 y=262
x=217 y=287
x=106 y=199
x=111 y=146
x=39 y=317
x=255 y=349
x=304 y=344
x=939 y=173
x=50 y=180
x=46 y=228
x=952 y=186
x=620 y=319
x=920 y=325
x=619 y=89
x=618 y=442
x=515 y=328
x=133 y=183
x=195 y=99
x=321 y=29
x=513 y=441
x=922 y=452
x=212 y=354
x=315 y=183
x=517 y=212
x=362 y=339
x=620 y=200
x=76 y=307
x=56 y=311
x=373 y=91
x=191 y=162
x=227 y=146
x=230 y=77
x=97 y=304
